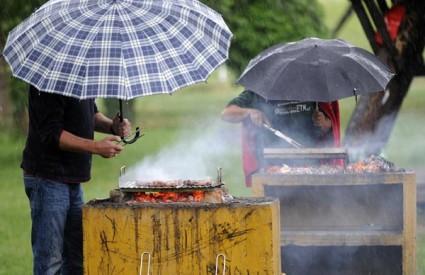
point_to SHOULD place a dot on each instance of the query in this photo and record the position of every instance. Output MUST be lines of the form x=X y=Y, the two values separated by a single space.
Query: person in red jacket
x=311 y=124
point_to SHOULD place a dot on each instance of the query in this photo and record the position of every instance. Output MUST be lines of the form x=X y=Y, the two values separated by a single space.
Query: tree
x=375 y=115
x=12 y=100
x=259 y=24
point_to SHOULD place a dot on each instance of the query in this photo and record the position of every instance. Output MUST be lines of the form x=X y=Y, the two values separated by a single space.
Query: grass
x=164 y=120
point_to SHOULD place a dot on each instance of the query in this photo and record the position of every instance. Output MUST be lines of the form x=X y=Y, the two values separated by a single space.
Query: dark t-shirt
x=49 y=114
x=293 y=118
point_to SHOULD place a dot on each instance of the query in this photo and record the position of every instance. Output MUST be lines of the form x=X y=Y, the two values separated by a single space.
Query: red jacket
x=249 y=155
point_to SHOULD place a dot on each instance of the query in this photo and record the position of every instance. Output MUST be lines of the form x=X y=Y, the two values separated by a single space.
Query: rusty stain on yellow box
x=180 y=238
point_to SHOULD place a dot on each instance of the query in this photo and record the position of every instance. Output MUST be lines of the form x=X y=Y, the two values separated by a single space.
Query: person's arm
x=47 y=111
x=106 y=125
x=106 y=147
x=241 y=108
x=235 y=114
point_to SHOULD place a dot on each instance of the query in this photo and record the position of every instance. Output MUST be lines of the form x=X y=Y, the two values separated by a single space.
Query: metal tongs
x=283 y=136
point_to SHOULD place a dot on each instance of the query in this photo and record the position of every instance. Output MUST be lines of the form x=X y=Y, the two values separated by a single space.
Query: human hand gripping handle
x=321 y=121
x=257 y=117
x=121 y=128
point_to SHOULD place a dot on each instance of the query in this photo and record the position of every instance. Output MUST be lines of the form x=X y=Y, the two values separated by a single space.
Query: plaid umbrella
x=117 y=48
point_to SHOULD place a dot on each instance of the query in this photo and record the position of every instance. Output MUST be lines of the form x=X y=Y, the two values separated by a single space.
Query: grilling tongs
x=283 y=136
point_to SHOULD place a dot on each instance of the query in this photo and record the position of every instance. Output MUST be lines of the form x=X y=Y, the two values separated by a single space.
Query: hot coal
x=373 y=164
x=213 y=195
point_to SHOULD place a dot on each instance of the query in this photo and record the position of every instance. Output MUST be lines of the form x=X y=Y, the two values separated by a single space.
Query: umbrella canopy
x=117 y=48
x=315 y=69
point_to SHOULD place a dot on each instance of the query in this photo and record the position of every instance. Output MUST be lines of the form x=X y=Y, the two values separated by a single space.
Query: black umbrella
x=315 y=69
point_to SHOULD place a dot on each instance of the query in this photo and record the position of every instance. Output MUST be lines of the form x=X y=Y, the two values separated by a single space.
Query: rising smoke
x=196 y=154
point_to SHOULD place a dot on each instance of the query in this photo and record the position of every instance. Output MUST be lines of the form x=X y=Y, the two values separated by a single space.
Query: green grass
x=164 y=118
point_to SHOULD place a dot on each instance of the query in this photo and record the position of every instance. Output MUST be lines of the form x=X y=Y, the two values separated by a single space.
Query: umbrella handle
x=120 y=115
x=136 y=136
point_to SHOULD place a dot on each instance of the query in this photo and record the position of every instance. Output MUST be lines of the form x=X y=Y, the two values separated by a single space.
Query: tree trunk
x=374 y=116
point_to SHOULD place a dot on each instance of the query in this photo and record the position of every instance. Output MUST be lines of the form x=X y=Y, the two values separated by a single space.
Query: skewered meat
x=373 y=164
x=174 y=183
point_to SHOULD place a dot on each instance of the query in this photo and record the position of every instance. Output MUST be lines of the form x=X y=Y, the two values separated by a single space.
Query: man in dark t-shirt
x=56 y=159
x=299 y=120
x=305 y=122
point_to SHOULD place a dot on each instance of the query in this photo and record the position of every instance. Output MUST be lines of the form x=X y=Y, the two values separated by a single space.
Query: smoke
x=405 y=145
x=196 y=154
x=362 y=146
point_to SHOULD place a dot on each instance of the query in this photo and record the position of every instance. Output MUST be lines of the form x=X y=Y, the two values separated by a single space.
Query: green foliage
x=12 y=12
x=259 y=24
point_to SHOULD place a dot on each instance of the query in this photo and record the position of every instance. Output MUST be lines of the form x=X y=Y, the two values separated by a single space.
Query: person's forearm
x=102 y=123
x=73 y=143
x=234 y=113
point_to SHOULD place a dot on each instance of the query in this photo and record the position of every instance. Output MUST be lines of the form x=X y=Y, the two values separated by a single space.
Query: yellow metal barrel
x=237 y=237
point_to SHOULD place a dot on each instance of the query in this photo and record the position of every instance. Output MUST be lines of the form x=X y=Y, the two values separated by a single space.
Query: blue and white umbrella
x=117 y=48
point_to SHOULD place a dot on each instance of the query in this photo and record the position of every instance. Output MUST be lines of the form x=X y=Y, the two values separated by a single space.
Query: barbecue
x=357 y=218
x=182 y=226
x=133 y=191
x=372 y=164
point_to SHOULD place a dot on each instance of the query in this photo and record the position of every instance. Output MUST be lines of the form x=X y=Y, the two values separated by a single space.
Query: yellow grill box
x=241 y=236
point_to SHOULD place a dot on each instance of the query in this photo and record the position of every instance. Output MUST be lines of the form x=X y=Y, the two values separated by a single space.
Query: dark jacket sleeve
x=47 y=115
x=243 y=100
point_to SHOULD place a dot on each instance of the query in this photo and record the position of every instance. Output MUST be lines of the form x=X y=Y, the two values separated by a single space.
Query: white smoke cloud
x=196 y=154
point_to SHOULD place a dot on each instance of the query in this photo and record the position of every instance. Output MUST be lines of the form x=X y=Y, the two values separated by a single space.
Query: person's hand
x=108 y=147
x=321 y=121
x=122 y=129
x=257 y=117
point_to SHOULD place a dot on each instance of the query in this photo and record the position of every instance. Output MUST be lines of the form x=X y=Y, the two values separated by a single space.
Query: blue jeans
x=56 y=234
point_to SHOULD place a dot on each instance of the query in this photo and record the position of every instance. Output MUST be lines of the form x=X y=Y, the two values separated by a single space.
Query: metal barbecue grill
x=137 y=185
x=306 y=153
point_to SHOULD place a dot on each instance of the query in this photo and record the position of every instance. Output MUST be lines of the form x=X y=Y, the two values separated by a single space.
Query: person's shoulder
x=248 y=94
x=45 y=97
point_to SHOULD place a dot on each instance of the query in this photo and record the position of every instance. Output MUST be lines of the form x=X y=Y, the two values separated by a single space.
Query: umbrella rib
x=195 y=65
x=201 y=7
x=218 y=21
x=215 y=44
x=123 y=61
x=100 y=24
x=43 y=79
x=53 y=64
x=157 y=53
x=31 y=24
x=379 y=70
x=290 y=62
x=169 y=78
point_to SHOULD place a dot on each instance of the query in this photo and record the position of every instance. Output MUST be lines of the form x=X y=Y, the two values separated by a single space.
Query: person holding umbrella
x=311 y=124
x=295 y=87
x=83 y=50
x=56 y=159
